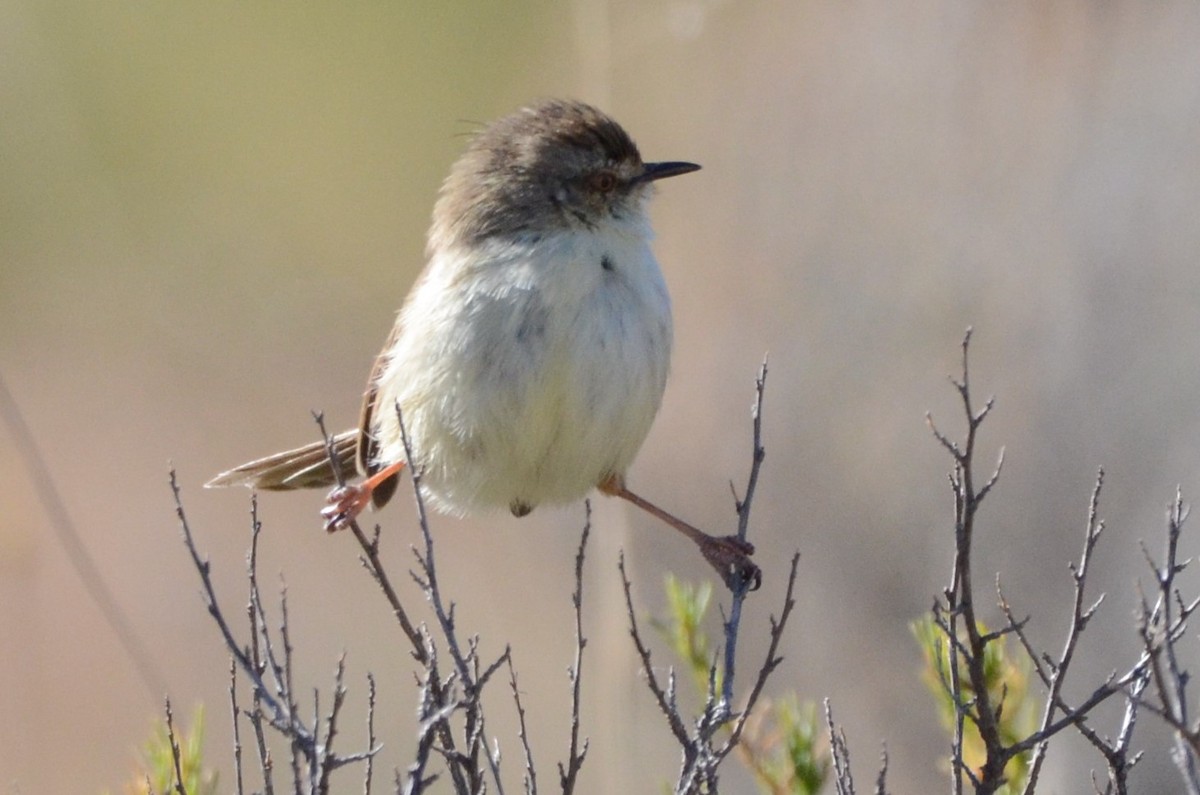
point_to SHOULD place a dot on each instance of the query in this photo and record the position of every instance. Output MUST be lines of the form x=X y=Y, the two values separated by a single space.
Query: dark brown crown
x=512 y=177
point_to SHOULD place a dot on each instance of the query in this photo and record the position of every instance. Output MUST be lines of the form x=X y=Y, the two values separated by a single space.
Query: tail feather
x=303 y=468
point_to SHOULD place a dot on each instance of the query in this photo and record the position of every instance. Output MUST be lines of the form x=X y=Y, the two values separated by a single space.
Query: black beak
x=653 y=171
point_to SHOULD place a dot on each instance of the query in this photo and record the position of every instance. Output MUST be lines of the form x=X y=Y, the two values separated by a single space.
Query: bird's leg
x=729 y=555
x=345 y=503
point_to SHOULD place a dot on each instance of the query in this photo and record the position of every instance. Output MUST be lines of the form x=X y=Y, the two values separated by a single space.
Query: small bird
x=529 y=360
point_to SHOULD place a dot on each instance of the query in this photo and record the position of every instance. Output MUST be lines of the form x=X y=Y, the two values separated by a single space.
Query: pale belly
x=535 y=396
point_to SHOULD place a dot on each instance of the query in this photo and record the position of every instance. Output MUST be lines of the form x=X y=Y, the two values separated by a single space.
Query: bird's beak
x=653 y=171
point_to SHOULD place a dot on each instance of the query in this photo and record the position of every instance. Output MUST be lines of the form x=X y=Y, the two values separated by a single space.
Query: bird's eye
x=603 y=181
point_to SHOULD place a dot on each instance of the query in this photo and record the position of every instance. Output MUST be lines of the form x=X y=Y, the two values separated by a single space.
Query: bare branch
x=371 y=560
x=743 y=506
x=280 y=716
x=237 y=736
x=371 y=742
x=575 y=754
x=530 y=776
x=758 y=454
x=967 y=642
x=843 y=779
x=1160 y=628
x=665 y=698
x=175 y=754
x=772 y=660
x=960 y=600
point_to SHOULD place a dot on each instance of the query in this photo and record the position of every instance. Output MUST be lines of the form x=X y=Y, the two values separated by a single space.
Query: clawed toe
x=343 y=505
x=730 y=556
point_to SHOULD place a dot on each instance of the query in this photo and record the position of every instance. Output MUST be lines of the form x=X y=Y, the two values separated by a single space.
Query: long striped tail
x=303 y=468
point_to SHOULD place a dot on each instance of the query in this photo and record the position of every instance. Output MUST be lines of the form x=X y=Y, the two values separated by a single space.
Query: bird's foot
x=343 y=505
x=730 y=556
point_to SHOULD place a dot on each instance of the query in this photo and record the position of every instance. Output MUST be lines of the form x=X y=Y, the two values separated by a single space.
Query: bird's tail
x=303 y=468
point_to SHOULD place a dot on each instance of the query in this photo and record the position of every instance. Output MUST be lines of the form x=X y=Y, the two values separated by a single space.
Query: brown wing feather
x=367 y=448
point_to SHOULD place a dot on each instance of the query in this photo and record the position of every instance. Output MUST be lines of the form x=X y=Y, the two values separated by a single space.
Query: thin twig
x=237 y=734
x=772 y=661
x=328 y=761
x=840 y=751
x=175 y=753
x=530 y=776
x=371 y=560
x=280 y=717
x=444 y=614
x=960 y=601
x=743 y=586
x=265 y=760
x=967 y=642
x=1054 y=675
x=1160 y=628
x=575 y=755
x=370 y=763
x=437 y=702
x=662 y=696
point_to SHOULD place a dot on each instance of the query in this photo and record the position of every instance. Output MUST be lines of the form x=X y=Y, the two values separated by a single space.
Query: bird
x=529 y=359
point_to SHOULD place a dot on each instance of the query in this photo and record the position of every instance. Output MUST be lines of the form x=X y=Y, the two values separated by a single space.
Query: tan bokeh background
x=208 y=215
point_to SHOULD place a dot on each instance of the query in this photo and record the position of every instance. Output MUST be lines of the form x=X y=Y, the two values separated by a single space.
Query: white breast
x=532 y=373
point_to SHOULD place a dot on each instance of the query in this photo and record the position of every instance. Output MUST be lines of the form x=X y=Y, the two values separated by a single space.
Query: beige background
x=208 y=215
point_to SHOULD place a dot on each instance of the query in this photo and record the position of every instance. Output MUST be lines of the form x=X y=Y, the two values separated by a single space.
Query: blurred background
x=209 y=214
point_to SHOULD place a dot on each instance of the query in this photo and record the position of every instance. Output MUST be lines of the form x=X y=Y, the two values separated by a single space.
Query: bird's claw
x=730 y=556
x=343 y=505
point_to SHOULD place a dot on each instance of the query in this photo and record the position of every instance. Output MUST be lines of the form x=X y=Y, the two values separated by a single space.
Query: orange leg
x=729 y=555
x=345 y=503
